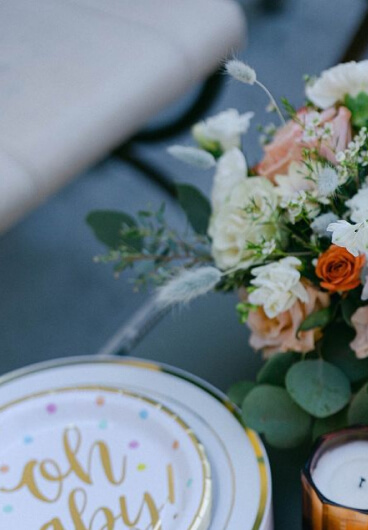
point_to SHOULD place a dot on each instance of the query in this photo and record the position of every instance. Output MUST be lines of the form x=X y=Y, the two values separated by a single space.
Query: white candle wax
x=341 y=474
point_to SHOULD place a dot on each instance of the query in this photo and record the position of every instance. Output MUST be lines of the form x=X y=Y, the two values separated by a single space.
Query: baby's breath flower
x=268 y=247
x=314 y=129
x=363 y=158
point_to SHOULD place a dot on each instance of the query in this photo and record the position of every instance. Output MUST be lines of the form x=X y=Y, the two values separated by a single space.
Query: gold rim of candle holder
x=319 y=512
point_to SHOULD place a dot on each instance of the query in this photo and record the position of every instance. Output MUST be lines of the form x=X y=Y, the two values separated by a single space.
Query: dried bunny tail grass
x=188 y=285
x=241 y=71
x=246 y=74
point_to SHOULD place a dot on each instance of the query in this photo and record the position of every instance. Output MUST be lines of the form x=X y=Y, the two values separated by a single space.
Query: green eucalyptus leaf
x=318 y=319
x=358 y=410
x=319 y=387
x=107 y=226
x=332 y=423
x=269 y=410
x=336 y=350
x=358 y=106
x=196 y=207
x=274 y=370
x=238 y=391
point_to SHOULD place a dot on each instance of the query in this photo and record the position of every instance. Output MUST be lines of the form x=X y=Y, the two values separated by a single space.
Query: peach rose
x=339 y=270
x=360 y=322
x=288 y=145
x=279 y=334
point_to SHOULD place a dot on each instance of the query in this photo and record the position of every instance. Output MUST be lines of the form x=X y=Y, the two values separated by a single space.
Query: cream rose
x=243 y=220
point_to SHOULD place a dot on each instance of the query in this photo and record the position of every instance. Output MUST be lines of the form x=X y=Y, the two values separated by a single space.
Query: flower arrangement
x=291 y=235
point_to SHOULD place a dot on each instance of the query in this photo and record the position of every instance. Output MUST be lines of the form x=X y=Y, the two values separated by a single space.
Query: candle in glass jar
x=335 y=482
x=341 y=474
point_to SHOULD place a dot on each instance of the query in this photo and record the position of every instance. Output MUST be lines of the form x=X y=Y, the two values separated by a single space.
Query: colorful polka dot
x=102 y=424
x=143 y=414
x=175 y=445
x=133 y=444
x=51 y=408
x=28 y=439
x=141 y=467
x=189 y=483
x=100 y=401
x=7 y=508
x=4 y=469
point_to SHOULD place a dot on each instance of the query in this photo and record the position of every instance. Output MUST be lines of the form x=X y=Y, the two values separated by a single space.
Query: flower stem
x=273 y=101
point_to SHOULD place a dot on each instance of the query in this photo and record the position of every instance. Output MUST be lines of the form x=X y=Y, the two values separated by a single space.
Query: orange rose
x=280 y=334
x=339 y=270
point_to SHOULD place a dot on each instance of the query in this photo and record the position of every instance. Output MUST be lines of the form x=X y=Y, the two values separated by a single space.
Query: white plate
x=239 y=464
x=96 y=454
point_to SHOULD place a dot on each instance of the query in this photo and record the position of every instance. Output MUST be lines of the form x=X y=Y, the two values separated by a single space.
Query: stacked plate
x=109 y=444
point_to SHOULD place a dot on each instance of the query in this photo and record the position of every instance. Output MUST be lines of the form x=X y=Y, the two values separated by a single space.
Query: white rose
x=225 y=129
x=352 y=237
x=231 y=170
x=278 y=286
x=242 y=221
x=256 y=196
x=335 y=83
x=358 y=205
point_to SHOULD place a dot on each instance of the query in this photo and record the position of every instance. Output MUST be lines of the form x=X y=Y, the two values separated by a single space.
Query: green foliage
x=335 y=349
x=196 y=207
x=289 y=108
x=348 y=308
x=358 y=107
x=270 y=411
x=358 y=410
x=238 y=391
x=331 y=423
x=108 y=225
x=148 y=244
x=319 y=387
x=274 y=371
x=318 y=319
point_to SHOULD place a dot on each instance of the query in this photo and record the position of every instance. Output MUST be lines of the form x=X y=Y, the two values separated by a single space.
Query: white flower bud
x=193 y=156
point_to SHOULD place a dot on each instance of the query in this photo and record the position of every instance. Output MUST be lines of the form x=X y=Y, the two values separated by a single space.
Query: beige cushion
x=78 y=77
